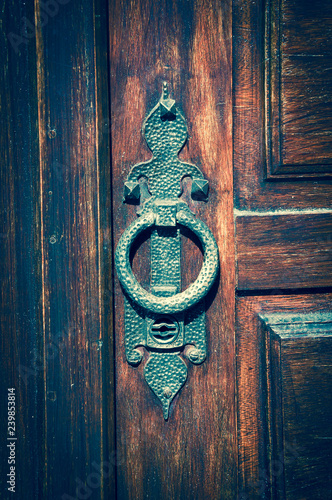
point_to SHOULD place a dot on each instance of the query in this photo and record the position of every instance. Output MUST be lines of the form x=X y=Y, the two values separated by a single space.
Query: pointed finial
x=166 y=410
x=165 y=91
x=166 y=402
x=167 y=105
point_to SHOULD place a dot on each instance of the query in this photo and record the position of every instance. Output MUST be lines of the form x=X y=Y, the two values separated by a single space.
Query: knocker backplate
x=164 y=319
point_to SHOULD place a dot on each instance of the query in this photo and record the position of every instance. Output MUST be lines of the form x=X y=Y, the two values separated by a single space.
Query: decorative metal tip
x=132 y=192
x=167 y=105
x=166 y=409
x=165 y=91
x=200 y=189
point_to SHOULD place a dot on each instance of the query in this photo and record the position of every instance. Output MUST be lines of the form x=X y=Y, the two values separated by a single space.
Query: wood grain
x=75 y=245
x=300 y=404
x=252 y=385
x=252 y=190
x=56 y=243
x=56 y=187
x=188 y=44
x=20 y=285
x=298 y=74
x=284 y=251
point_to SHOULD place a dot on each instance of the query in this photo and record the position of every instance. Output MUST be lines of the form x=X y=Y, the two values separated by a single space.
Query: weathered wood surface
x=298 y=76
x=299 y=354
x=57 y=243
x=284 y=251
x=252 y=191
x=188 y=44
x=256 y=469
x=287 y=244
x=20 y=253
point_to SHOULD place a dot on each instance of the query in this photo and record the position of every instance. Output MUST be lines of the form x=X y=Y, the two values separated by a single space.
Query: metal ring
x=180 y=301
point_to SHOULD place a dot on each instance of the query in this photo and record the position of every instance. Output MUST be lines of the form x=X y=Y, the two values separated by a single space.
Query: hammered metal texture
x=165 y=374
x=183 y=300
x=165 y=319
x=164 y=171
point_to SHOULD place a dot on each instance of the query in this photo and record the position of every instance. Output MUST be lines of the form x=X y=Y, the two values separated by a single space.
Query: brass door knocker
x=165 y=319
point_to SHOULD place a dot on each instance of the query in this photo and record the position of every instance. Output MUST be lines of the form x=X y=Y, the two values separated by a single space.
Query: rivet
x=193 y=354
x=167 y=392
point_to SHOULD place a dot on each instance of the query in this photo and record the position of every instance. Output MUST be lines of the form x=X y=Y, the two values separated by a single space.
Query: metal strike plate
x=164 y=320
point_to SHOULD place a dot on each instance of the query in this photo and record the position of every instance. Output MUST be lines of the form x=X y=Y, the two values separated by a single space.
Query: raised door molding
x=298 y=93
x=299 y=404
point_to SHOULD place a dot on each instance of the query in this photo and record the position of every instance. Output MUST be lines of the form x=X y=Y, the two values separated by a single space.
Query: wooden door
x=282 y=167
x=252 y=79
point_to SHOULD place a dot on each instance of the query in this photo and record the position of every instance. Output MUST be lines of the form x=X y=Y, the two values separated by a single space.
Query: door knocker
x=165 y=319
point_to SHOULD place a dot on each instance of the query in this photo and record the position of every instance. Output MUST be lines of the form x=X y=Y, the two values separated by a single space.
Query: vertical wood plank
x=105 y=241
x=74 y=198
x=56 y=342
x=20 y=279
x=188 y=44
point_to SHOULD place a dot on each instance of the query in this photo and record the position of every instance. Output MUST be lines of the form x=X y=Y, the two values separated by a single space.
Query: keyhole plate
x=164 y=332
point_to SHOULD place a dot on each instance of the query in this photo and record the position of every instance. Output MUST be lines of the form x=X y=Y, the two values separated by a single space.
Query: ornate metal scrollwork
x=165 y=319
